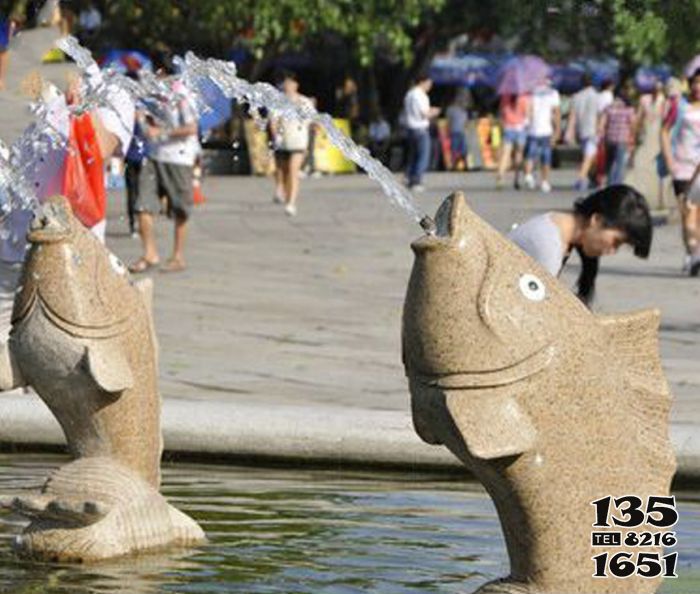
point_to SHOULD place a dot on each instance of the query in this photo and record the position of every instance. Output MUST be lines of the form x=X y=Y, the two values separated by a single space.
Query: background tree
x=268 y=27
x=385 y=43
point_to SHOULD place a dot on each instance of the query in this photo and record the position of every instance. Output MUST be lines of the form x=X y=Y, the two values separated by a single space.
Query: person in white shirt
x=598 y=225
x=545 y=121
x=418 y=113
x=583 y=126
x=172 y=149
x=606 y=95
x=291 y=140
x=379 y=135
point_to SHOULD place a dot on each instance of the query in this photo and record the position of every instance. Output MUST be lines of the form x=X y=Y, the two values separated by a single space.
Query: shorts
x=589 y=146
x=4 y=34
x=285 y=154
x=165 y=179
x=514 y=136
x=683 y=188
x=540 y=147
x=132 y=175
x=680 y=187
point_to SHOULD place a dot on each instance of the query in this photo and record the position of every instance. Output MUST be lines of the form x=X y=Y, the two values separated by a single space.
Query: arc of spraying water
x=102 y=88
x=263 y=95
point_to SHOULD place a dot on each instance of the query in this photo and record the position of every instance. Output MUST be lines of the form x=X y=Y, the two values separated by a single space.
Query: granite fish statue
x=83 y=338
x=550 y=406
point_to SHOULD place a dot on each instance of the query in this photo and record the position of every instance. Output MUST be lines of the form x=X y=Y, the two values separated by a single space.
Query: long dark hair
x=621 y=207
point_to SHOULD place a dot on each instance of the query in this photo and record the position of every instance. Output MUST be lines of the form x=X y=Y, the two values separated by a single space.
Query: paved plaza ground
x=307 y=310
x=282 y=338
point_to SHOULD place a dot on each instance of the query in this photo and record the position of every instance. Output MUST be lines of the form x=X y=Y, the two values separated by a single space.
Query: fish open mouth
x=50 y=224
x=491 y=378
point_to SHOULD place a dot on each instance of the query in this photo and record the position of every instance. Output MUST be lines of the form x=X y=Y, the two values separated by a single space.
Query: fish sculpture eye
x=532 y=287
x=117 y=264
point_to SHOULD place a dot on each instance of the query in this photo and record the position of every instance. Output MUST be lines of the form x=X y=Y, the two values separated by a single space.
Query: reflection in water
x=302 y=531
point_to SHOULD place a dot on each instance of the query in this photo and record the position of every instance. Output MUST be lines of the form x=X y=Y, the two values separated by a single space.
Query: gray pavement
x=307 y=310
x=282 y=339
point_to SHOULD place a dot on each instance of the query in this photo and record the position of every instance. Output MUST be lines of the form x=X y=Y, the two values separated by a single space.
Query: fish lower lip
x=46 y=235
x=492 y=378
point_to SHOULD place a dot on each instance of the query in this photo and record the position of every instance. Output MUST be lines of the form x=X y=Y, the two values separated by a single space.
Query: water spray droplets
x=262 y=96
x=106 y=89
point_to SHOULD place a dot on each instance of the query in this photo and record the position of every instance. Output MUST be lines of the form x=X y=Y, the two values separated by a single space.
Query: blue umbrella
x=567 y=78
x=218 y=108
x=468 y=70
x=521 y=74
x=692 y=66
x=647 y=76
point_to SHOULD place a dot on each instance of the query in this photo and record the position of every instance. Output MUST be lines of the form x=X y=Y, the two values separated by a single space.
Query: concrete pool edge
x=328 y=434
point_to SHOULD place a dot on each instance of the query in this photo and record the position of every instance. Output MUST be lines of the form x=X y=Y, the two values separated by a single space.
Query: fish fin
x=108 y=367
x=634 y=338
x=635 y=344
x=45 y=507
x=493 y=426
x=10 y=374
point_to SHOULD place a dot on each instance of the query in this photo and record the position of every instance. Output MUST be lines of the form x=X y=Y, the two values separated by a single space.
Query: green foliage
x=270 y=25
x=641 y=35
x=683 y=39
x=637 y=31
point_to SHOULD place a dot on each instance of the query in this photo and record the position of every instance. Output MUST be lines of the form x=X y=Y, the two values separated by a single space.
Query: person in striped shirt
x=618 y=125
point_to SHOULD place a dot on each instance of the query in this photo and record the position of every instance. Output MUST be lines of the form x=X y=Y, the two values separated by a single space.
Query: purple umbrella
x=692 y=66
x=521 y=75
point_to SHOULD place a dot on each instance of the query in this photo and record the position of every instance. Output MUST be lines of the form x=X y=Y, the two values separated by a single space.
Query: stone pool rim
x=287 y=434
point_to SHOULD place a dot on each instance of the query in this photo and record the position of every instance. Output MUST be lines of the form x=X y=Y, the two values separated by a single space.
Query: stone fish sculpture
x=550 y=406
x=82 y=336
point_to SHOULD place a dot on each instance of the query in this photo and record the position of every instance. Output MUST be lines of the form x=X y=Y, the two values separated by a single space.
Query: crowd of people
x=611 y=125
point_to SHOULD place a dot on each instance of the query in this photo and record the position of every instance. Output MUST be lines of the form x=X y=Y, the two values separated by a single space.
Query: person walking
x=348 y=104
x=583 y=127
x=291 y=141
x=9 y=24
x=309 y=167
x=457 y=123
x=133 y=164
x=644 y=172
x=418 y=113
x=379 y=135
x=596 y=226
x=514 y=110
x=172 y=147
x=680 y=143
x=544 y=129
x=605 y=99
x=650 y=111
x=618 y=129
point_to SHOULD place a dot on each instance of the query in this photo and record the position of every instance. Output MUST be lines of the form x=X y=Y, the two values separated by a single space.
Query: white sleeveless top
x=540 y=239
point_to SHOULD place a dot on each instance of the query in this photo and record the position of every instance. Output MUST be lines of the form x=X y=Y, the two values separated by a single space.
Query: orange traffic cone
x=197 y=194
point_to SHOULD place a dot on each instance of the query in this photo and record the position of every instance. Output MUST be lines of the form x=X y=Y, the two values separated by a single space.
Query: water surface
x=303 y=531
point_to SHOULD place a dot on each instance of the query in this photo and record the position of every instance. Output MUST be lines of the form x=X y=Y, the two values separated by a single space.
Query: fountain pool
x=306 y=531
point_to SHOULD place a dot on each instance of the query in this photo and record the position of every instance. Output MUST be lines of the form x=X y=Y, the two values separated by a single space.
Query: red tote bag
x=83 y=173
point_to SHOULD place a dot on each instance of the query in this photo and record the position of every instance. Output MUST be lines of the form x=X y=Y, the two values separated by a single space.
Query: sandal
x=173 y=266
x=142 y=265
